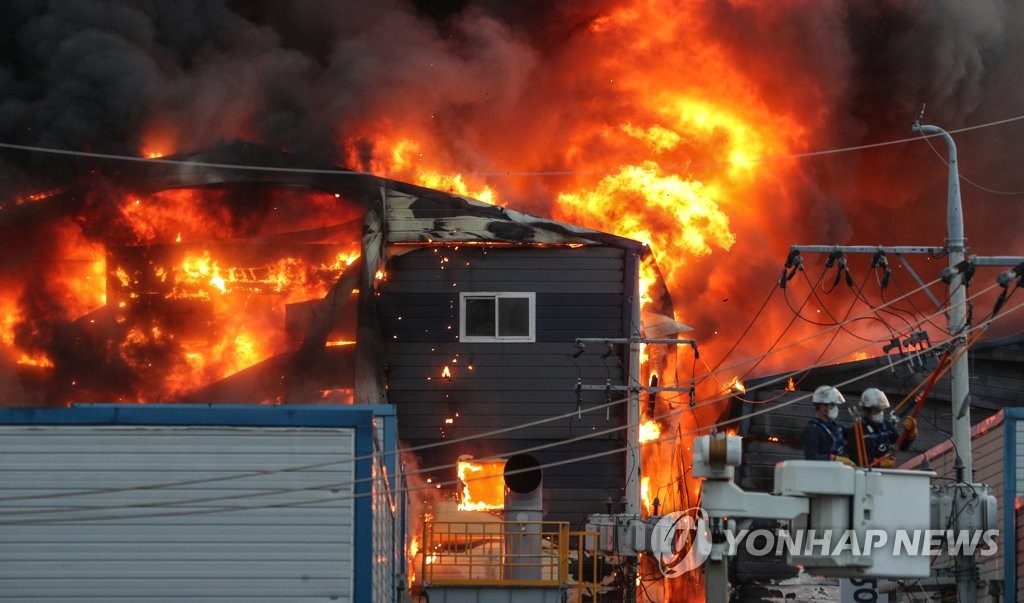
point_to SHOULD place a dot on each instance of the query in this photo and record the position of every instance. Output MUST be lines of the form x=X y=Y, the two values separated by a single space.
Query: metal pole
x=958 y=375
x=633 y=410
x=956 y=244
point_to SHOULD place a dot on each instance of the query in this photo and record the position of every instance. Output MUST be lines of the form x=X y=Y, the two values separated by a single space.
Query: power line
x=541 y=421
x=570 y=460
x=965 y=178
x=342 y=171
x=711 y=401
x=336 y=499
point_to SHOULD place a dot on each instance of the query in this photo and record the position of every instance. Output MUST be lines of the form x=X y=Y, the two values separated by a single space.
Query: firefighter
x=824 y=438
x=880 y=432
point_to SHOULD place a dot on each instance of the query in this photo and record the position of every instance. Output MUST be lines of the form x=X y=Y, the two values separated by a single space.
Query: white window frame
x=496 y=295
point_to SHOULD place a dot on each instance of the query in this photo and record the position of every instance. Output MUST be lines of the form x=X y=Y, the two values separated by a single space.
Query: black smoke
x=486 y=80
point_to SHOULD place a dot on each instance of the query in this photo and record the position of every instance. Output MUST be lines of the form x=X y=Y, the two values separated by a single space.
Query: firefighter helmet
x=874 y=398
x=826 y=394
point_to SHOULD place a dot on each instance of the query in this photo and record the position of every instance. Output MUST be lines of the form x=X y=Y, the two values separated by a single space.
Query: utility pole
x=966 y=568
x=962 y=499
x=956 y=245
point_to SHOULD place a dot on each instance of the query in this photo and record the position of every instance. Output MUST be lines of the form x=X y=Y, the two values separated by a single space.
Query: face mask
x=877 y=416
x=833 y=413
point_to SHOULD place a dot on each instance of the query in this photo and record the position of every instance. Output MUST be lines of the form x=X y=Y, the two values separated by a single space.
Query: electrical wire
x=968 y=180
x=713 y=400
x=414 y=488
x=750 y=325
x=910 y=301
x=828 y=313
x=428 y=470
x=878 y=312
x=505 y=173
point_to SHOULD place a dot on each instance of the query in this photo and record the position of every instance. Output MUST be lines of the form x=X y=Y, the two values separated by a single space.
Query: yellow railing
x=508 y=553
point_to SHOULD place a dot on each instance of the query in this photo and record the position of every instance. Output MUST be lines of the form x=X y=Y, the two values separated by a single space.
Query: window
x=497 y=317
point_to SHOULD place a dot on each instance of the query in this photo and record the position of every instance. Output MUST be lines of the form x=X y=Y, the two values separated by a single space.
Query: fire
x=407 y=160
x=666 y=160
x=201 y=273
x=75 y=287
x=790 y=385
x=483 y=485
x=172 y=291
x=37 y=359
x=454 y=184
x=645 y=492
x=679 y=218
x=339 y=342
x=736 y=386
x=650 y=430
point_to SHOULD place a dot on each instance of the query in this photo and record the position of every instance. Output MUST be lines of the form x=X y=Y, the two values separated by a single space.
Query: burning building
x=189 y=279
x=720 y=134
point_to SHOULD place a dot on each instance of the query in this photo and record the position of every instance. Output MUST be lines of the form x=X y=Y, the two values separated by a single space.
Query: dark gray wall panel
x=579 y=293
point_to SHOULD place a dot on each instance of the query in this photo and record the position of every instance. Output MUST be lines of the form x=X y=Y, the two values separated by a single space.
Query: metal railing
x=508 y=554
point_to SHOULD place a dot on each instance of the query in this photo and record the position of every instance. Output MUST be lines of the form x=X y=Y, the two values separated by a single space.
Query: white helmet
x=826 y=394
x=874 y=398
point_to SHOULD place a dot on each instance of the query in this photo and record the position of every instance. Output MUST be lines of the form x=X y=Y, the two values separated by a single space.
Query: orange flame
x=483 y=485
x=649 y=431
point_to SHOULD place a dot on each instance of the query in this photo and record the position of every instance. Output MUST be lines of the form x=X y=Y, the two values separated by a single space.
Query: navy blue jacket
x=880 y=438
x=822 y=439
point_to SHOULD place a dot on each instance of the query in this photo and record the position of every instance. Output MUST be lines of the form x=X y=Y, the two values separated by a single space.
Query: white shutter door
x=148 y=514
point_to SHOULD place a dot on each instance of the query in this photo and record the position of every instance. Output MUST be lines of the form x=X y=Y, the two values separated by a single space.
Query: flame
x=650 y=430
x=790 y=386
x=645 y=492
x=170 y=291
x=407 y=159
x=446 y=373
x=632 y=166
x=483 y=485
x=73 y=286
x=38 y=359
x=736 y=386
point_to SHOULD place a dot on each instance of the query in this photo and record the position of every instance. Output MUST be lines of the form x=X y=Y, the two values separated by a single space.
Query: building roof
x=413 y=214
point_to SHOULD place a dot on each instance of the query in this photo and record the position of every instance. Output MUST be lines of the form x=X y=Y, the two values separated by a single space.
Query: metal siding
x=1011 y=517
x=1017 y=573
x=988 y=449
x=1019 y=456
x=362 y=493
x=383 y=537
x=579 y=293
x=229 y=533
